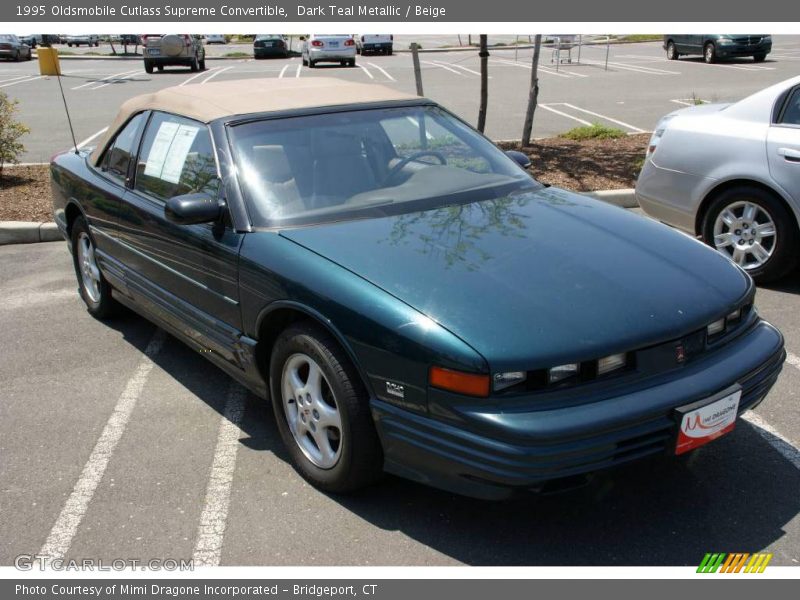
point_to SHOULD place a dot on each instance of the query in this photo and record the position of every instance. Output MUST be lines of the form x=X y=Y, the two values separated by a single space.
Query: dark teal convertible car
x=406 y=294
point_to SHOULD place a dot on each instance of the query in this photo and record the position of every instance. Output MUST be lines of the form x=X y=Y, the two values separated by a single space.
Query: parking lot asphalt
x=638 y=87
x=118 y=441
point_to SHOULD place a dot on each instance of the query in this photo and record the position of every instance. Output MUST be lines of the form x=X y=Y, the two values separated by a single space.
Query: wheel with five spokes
x=322 y=410
x=755 y=230
x=93 y=287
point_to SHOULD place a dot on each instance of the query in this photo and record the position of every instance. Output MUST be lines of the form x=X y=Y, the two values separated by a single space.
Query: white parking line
x=15 y=78
x=5 y=85
x=630 y=67
x=108 y=78
x=283 y=70
x=563 y=114
x=214 y=74
x=604 y=117
x=542 y=69
x=382 y=70
x=299 y=68
x=89 y=139
x=442 y=66
x=689 y=101
x=65 y=527
x=213 y=519
x=774 y=438
x=193 y=77
x=463 y=68
x=363 y=68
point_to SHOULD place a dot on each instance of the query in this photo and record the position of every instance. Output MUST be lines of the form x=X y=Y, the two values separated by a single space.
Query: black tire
x=786 y=244
x=352 y=62
x=759 y=57
x=360 y=460
x=311 y=64
x=710 y=53
x=160 y=68
x=389 y=52
x=203 y=64
x=195 y=65
x=148 y=67
x=105 y=305
x=343 y=63
x=305 y=62
x=672 y=52
x=17 y=57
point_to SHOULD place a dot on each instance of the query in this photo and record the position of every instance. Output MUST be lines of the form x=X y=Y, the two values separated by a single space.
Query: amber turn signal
x=459 y=382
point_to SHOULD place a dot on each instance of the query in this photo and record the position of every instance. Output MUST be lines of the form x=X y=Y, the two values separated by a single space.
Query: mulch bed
x=579 y=166
x=25 y=194
x=587 y=165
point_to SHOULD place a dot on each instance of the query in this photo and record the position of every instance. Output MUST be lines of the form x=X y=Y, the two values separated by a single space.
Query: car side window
x=177 y=158
x=791 y=112
x=118 y=156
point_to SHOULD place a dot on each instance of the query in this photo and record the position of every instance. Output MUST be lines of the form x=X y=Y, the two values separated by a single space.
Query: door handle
x=790 y=154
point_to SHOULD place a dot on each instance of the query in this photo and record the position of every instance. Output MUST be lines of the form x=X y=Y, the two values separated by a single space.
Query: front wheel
x=672 y=52
x=755 y=230
x=203 y=64
x=93 y=287
x=710 y=53
x=148 y=67
x=760 y=57
x=322 y=411
x=195 y=65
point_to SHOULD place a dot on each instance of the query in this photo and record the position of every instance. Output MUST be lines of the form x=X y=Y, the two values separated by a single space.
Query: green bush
x=10 y=132
x=596 y=131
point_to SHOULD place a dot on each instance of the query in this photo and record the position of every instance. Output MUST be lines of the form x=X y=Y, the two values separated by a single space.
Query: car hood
x=538 y=278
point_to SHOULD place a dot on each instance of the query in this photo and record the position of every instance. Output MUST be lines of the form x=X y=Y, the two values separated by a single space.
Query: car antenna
x=49 y=65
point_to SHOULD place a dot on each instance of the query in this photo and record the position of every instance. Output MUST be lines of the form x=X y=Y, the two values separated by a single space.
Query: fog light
x=505 y=380
x=562 y=372
x=716 y=327
x=611 y=363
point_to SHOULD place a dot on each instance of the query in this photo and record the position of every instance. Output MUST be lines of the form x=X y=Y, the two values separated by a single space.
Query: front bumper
x=269 y=51
x=379 y=47
x=493 y=451
x=733 y=50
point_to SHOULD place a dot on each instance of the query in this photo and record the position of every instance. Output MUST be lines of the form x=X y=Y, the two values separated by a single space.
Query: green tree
x=10 y=133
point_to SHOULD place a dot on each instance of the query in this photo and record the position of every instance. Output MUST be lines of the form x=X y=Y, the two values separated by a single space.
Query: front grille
x=749 y=40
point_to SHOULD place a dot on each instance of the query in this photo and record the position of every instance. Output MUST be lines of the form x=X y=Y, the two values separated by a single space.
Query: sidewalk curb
x=623 y=198
x=22 y=232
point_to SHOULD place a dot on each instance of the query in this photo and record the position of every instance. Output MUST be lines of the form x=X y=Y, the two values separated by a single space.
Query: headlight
x=562 y=372
x=501 y=381
x=611 y=363
x=716 y=327
x=724 y=40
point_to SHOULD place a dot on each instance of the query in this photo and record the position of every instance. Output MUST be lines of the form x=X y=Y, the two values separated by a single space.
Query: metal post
x=608 y=47
x=417 y=71
x=484 y=55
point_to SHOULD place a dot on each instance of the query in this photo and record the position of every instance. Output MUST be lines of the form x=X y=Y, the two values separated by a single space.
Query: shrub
x=595 y=131
x=10 y=132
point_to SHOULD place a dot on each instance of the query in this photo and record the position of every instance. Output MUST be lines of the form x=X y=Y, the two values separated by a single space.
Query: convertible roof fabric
x=215 y=100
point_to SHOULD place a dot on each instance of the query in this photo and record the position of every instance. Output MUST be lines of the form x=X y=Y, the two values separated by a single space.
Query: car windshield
x=267 y=36
x=8 y=38
x=355 y=164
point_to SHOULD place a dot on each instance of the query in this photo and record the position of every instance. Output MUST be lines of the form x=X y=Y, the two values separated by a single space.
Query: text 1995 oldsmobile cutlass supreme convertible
x=407 y=295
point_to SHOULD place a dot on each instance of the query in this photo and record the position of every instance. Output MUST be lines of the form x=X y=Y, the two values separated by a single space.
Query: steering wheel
x=404 y=161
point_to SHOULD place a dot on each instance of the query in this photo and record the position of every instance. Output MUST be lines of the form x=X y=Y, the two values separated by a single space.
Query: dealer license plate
x=707 y=419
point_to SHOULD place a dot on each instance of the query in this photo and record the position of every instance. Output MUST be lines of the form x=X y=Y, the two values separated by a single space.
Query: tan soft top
x=225 y=98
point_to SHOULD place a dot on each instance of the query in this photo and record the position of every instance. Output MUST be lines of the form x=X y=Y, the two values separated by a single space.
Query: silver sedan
x=730 y=173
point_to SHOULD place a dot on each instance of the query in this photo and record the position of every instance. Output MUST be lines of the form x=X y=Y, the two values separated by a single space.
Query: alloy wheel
x=311 y=411
x=90 y=273
x=746 y=232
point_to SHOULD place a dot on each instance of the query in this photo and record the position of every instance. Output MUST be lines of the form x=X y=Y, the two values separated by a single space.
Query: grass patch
x=236 y=55
x=595 y=131
x=641 y=37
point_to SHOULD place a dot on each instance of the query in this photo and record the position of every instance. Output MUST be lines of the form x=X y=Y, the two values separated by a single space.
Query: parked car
x=377 y=43
x=173 y=50
x=266 y=44
x=12 y=48
x=411 y=303
x=729 y=173
x=329 y=48
x=215 y=38
x=32 y=40
x=717 y=46
x=83 y=40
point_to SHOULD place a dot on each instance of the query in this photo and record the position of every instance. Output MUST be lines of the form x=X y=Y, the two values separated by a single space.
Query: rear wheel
x=710 y=53
x=203 y=64
x=305 y=62
x=389 y=52
x=195 y=65
x=160 y=68
x=148 y=67
x=352 y=62
x=322 y=411
x=755 y=230
x=672 y=52
x=17 y=57
x=93 y=287
x=311 y=64
x=760 y=57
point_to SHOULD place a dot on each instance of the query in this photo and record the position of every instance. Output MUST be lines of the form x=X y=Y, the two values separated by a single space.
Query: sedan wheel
x=754 y=230
x=710 y=53
x=672 y=53
x=94 y=289
x=322 y=410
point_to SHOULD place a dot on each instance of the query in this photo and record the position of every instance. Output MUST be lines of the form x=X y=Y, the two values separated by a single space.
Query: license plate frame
x=706 y=420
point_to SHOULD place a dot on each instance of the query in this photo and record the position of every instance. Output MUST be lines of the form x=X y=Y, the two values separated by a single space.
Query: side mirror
x=519 y=157
x=190 y=209
x=302 y=38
